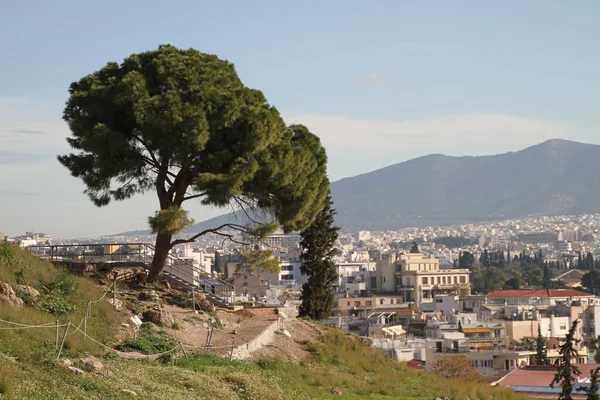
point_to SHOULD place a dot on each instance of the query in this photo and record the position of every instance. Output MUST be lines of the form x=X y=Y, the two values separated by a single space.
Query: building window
x=424 y=281
x=245 y=284
x=347 y=303
x=381 y=301
x=368 y=303
x=438 y=280
x=463 y=279
x=563 y=327
x=444 y=280
x=357 y=304
x=455 y=281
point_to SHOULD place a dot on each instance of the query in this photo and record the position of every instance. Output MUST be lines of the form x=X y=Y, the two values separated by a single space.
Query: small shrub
x=27 y=298
x=267 y=364
x=216 y=322
x=61 y=285
x=182 y=300
x=148 y=341
x=55 y=305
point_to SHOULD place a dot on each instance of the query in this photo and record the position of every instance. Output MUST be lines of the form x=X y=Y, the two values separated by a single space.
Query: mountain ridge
x=555 y=176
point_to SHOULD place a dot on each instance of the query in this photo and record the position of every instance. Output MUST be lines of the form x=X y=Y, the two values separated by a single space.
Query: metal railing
x=120 y=255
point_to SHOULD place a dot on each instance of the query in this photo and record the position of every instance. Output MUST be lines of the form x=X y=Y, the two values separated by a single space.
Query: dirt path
x=235 y=327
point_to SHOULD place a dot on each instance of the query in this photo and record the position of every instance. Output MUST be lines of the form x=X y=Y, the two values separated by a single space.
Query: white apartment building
x=416 y=278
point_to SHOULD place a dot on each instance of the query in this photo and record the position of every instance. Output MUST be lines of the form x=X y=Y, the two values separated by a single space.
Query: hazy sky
x=379 y=81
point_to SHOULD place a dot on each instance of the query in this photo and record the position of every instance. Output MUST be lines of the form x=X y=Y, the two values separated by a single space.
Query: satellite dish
x=470 y=320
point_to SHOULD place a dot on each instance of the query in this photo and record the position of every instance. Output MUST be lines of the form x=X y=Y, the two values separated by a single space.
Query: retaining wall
x=265 y=337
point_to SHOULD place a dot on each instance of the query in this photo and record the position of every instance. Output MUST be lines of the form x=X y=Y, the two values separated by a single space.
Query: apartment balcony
x=405 y=287
x=461 y=349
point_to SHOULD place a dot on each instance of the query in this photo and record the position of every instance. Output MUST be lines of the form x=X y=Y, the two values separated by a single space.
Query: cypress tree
x=414 y=248
x=547 y=281
x=460 y=328
x=566 y=369
x=317 y=263
x=592 y=391
x=541 y=357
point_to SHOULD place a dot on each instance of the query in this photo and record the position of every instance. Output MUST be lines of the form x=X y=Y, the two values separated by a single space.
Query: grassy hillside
x=29 y=368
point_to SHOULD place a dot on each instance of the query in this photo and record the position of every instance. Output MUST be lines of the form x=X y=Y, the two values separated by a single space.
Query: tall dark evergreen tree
x=460 y=328
x=541 y=357
x=566 y=369
x=414 y=248
x=508 y=259
x=485 y=258
x=589 y=260
x=547 y=281
x=317 y=263
x=592 y=391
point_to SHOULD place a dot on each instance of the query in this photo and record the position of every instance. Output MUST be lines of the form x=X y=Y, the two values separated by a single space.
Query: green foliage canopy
x=318 y=242
x=181 y=123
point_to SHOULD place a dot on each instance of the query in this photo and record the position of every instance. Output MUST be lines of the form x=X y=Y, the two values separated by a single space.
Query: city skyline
x=392 y=82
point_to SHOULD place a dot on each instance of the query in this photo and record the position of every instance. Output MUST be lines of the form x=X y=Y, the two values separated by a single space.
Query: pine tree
x=541 y=357
x=460 y=328
x=317 y=263
x=566 y=369
x=509 y=260
x=414 y=248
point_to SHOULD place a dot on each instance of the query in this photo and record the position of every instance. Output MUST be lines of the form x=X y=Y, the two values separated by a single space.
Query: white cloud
x=487 y=131
x=373 y=79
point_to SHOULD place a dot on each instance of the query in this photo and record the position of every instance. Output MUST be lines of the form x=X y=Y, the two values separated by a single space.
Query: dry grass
x=9 y=376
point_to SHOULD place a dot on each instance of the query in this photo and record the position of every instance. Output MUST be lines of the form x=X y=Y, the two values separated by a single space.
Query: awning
x=393 y=330
x=476 y=330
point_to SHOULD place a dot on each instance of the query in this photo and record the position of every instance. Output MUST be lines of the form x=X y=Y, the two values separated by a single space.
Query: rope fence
x=71 y=329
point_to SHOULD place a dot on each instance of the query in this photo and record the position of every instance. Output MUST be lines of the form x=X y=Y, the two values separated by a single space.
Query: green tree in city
x=528 y=343
x=460 y=328
x=318 y=250
x=592 y=391
x=591 y=281
x=566 y=369
x=256 y=261
x=547 y=281
x=594 y=346
x=414 y=247
x=466 y=260
x=181 y=123
x=541 y=353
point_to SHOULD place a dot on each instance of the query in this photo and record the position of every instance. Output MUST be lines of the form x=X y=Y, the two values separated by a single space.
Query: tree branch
x=237 y=227
x=194 y=196
x=239 y=202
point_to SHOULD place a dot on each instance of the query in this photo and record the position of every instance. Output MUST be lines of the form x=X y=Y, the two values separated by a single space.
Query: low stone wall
x=245 y=350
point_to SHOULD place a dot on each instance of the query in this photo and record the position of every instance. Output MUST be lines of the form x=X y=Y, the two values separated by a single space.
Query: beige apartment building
x=415 y=278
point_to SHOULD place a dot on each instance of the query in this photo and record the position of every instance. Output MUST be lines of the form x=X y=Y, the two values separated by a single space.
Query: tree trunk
x=161 y=252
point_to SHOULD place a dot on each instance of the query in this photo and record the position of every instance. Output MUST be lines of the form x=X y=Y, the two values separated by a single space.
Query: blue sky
x=380 y=82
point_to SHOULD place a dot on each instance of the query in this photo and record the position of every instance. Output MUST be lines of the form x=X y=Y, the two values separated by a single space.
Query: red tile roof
x=539 y=293
x=539 y=376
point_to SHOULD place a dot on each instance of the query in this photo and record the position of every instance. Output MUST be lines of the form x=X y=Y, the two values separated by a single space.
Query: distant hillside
x=554 y=177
